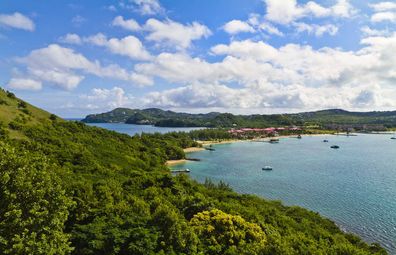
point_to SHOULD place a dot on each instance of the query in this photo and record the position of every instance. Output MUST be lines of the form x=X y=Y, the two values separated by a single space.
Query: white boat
x=267 y=168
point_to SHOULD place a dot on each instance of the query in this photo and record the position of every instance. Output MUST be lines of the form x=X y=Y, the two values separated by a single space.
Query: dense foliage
x=162 y=118
x=69 y=188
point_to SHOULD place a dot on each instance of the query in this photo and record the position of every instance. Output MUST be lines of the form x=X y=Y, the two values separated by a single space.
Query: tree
x=33 y=205
x=222 y=233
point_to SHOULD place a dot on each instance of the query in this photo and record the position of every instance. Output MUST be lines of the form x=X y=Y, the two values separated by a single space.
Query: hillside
x=15 y=112
x=160 y=117
x=67 y=188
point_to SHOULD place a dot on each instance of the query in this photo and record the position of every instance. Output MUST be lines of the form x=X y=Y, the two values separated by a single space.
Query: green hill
x=16 y=112
x=160 y=117
x=67 y=188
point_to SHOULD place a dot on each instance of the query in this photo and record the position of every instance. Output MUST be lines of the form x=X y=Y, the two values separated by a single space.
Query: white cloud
x=270 y=29
x=317 y=30
x=383 y=11
x=129 y=24
x=287 y=11
x=24 y=84
x=129 y=46
x=71 y=39
x=100 y=98
x=254 y=24
x=237 y=26
x=255 y=75
x=17 y=20
x=144 y=7
x=384 y=16
x=383 y=6
x=65 y=69
x=367 y=31
x=175 y=34
x=149 y=7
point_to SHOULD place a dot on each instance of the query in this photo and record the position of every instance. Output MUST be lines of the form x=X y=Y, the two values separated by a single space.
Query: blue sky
x=243 y=56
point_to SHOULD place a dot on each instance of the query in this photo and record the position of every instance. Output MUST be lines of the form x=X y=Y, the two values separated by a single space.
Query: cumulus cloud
x=256 y=75
x=129 y=46
x=383 y=16
x=100 y=98
x=237 y=26
x=175 y=34
x=148 y=7
x=287 y=11
x=317 y=30
x=71 y=39
x=17 y=20
x=24 y=84
x=367 y=31
x=65 y=69
x=383 y=11
x=383 y=6
x=129 y=24
x=254 y=24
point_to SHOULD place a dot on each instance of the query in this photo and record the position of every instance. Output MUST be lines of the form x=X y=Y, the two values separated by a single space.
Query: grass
x=12 y=109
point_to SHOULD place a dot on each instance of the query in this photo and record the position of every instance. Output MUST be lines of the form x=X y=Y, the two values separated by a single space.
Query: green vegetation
x=67 y=188
x=317 y=119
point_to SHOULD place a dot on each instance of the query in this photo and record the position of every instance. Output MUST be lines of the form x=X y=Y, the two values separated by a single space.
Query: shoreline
x=208 y=143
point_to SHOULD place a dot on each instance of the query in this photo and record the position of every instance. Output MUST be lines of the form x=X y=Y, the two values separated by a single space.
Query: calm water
x=355 y=185
x=132 y=129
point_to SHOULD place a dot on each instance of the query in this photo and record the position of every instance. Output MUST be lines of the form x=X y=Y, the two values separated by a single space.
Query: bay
x=354 y=185
x=132 y=129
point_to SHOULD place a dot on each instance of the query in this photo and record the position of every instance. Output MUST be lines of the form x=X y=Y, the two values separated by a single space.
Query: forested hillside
x=67 y=188
x=163 y=118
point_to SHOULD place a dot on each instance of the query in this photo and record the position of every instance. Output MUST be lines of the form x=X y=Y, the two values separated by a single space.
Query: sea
x=355 y=185
x=132 y=129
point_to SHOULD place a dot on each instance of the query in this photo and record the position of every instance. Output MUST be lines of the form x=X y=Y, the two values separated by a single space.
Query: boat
x=299 y=137
x=335 y=147
x=180 y=171
x=274 y=140
x=393 y=138
x=325 y=141
x=267 y=168
x=209 y=149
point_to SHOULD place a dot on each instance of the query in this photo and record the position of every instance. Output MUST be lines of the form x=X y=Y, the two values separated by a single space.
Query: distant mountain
x=158 y=117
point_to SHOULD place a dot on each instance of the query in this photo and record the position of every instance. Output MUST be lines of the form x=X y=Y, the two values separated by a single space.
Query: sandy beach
x=175 y=162
x=193 y=149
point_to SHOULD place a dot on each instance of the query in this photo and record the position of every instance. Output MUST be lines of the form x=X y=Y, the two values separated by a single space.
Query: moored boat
x=335 y=147
x=267 y=168
x=180 y=171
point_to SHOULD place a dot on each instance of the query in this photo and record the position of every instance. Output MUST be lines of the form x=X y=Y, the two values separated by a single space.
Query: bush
x=22 y=104
x=11 y=95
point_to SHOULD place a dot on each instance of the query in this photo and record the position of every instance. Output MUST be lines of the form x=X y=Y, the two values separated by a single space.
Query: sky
x=74 y=58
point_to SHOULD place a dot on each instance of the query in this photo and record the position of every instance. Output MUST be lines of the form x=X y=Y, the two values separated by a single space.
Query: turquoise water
x=132 y=129
x=355 y=185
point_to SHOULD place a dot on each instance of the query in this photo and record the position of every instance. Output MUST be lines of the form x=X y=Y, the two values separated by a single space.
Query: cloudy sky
x=243 y=56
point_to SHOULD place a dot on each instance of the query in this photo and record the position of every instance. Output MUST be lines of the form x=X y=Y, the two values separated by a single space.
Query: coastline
x=208 y=143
